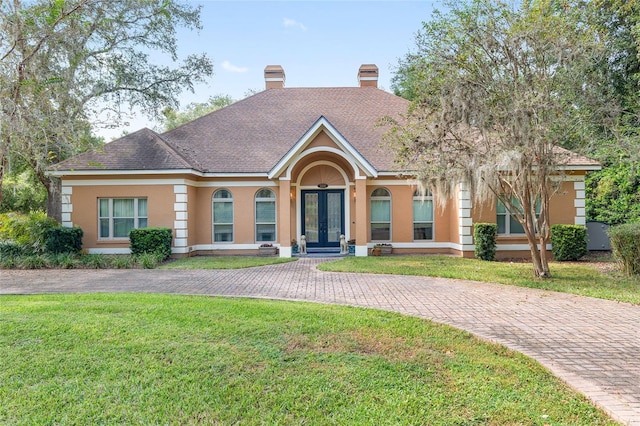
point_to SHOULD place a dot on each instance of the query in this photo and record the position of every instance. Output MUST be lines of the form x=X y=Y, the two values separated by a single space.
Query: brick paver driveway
x=594 y=345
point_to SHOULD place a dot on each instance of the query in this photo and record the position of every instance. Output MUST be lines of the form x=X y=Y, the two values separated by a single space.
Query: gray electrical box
x=597 y=232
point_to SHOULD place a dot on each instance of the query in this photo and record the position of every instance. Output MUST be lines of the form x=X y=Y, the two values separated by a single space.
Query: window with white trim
x=118 y=216
x=380 y=215
x=422 y=216
x=507 y=224
x=265 y=216
x=222 y=216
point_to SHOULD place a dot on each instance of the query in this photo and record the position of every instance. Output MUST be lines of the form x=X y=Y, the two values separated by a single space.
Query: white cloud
x=233 y=68
x=293 y=23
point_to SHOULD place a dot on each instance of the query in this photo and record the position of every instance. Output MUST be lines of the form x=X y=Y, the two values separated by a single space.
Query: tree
x=67 y=63
x=496 y=92
x=174 y=118
x=613 y=194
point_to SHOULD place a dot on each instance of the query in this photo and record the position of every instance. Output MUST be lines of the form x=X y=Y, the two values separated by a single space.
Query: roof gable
x=322 y=125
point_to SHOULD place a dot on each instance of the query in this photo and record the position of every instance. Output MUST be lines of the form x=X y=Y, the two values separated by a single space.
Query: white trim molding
x=465 y=222
x=579 y=202
x=181 y=227
x=346 y=151
x=67 y=206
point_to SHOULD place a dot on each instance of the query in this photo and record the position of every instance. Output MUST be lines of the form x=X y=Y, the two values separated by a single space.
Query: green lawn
x=223 y=262
x=587 y=279
x=166 y=359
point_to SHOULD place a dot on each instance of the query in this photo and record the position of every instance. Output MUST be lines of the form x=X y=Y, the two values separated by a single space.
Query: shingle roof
x=142 y=150
x=254 y=134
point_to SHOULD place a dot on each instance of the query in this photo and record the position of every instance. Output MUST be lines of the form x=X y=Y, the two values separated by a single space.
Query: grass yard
x=223 y=262
x=587 y=279
x=162 y=359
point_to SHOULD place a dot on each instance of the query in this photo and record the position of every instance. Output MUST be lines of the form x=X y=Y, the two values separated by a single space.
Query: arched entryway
x=323 y=208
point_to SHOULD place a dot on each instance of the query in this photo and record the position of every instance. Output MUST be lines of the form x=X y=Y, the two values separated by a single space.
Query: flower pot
x=267 y=251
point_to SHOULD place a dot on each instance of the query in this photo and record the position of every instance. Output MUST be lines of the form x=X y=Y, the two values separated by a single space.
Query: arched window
x=265 y=215
x=422 y=216
x=222 y=216
x=380 y=215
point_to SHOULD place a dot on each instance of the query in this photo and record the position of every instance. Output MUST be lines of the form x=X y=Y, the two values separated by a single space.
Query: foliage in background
x=497 y=89
x=21 y=193
x=484 y=238
x=63 y=240
x=625 y=243
x=66 y=64
x=151 y=241
x=569 y=242
x=613 y=194
x=174 y=118
x=28 y=230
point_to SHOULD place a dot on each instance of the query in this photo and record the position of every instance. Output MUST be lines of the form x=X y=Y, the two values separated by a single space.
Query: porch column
x=284 y=218
x=361 y=216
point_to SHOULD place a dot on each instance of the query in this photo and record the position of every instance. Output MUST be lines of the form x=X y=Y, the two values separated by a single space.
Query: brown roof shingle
x=252 y=135
x=141 y=150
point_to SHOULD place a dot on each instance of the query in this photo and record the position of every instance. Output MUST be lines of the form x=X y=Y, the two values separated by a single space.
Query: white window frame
x=419 y=198
x=273 y=200
x=136 y=217
x=213 y=216
x=371 y=221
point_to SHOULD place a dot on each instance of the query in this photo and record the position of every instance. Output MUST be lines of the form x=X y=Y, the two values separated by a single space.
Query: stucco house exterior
x=280 y=164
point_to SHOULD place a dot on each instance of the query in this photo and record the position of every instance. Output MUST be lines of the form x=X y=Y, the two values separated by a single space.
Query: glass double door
x=323 y=217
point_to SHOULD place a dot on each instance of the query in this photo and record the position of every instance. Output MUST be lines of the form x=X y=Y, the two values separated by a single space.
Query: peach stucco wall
x=85 y=209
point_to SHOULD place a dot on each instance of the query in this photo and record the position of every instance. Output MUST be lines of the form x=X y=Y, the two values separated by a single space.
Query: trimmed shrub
x=27 y=230
x=625 y=243
x=484 y=236
x=151 y=240
x=63 y=240
x=568 y=242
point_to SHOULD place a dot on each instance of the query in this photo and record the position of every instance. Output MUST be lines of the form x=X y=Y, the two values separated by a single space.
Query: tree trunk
x=54 y=195
x=54 y=199
x=3 y=168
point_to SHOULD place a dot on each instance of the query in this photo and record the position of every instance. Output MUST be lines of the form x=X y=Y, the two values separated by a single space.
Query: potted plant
x=383 y=249
x=352 y=246
x=294 y=246
x=267 y=249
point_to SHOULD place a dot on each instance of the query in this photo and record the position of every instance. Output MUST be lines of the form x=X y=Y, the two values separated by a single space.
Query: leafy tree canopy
x=67 y=63
x=174 y=118
x=497 y=90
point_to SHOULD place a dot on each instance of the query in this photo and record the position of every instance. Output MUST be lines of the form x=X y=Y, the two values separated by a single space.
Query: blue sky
x=318 y=43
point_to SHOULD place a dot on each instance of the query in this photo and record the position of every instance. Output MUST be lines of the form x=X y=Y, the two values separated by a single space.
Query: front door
x=323 y=217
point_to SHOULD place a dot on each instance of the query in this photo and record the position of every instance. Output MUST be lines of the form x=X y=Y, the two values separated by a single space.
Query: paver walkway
x=592 y=344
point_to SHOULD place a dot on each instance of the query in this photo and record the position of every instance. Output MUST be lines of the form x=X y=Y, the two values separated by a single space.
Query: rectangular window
x=422 y=219
x=222 y=221
x=265 y=216
x=381 y=220
x=118 y=216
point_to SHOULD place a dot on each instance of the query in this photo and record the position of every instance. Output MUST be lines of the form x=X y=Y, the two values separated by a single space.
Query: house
x=283 y=163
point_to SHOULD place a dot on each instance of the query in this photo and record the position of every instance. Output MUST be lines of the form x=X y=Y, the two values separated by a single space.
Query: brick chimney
x=368 y=75
x=274 y=77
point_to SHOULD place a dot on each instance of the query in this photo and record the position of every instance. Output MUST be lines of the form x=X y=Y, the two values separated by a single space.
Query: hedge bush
x=568 y=242
x=26 y=229
x=151 y=240
x=484 y=236
x=625 y=243
x=63 y=240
